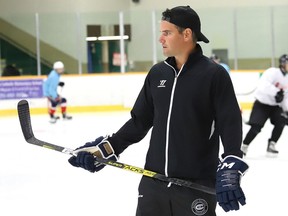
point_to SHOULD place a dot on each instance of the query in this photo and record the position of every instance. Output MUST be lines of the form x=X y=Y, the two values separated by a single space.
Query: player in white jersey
x=271 y=103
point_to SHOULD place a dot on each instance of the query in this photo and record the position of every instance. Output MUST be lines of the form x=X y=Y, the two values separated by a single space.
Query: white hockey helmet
x=58 y=65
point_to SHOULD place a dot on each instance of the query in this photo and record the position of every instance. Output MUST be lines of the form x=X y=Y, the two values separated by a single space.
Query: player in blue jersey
x=50 y=87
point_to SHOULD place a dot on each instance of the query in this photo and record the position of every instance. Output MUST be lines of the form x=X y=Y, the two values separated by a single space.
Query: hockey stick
x=245 y=93
x=25 y=122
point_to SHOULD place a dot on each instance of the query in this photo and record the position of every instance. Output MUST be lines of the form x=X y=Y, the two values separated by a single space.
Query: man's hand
x=228 y=190
x=101 y=147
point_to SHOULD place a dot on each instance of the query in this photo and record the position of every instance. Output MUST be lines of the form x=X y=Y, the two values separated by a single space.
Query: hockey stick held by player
x=26 y=126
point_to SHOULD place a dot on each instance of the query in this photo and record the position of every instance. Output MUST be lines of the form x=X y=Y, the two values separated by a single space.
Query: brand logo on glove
x=199 y=207
x=225 y=165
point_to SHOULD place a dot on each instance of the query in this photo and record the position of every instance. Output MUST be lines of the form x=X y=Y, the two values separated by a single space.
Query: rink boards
x=101 y=92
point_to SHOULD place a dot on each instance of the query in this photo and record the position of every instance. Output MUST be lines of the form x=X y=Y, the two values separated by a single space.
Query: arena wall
x=114 y=92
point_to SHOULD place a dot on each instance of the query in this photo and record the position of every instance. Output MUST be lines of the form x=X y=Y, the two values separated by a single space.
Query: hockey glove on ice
x=228 y=191
x=279 y=96
x=101 y=147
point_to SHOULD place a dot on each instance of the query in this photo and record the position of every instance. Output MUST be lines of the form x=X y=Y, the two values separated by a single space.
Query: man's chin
x=167 y=54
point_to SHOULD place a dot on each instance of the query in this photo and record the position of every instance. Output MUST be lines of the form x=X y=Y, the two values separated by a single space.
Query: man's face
x=171 y=40
x=286 y=67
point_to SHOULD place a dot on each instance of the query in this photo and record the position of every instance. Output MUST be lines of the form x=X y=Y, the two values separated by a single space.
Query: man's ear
x=187 y=34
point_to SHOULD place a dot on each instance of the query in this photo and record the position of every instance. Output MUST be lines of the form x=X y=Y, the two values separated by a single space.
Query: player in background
x=216 y=59
x=50 y=88
x=190 y=103
x=271 y=103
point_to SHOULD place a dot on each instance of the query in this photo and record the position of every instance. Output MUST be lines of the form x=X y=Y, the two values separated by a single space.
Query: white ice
x=35 y=181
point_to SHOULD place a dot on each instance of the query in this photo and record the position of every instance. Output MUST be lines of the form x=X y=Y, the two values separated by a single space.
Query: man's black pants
x=157 y=198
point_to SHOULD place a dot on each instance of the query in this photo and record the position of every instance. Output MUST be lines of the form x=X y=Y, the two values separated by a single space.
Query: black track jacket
x=189 y=110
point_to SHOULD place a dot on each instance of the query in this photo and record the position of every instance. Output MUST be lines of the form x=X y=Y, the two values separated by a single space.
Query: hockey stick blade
x=25 y=121
x=26 y=126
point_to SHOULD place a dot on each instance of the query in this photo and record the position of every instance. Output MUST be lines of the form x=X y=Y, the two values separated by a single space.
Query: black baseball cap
x=185 y=17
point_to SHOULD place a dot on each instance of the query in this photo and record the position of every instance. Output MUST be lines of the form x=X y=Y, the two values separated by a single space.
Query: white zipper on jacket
x=169 y=116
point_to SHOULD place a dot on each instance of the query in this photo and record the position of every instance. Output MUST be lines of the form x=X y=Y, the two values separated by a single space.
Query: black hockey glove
x=61 y=84
x=101 y=147
x=279 y=96
x=228 y=191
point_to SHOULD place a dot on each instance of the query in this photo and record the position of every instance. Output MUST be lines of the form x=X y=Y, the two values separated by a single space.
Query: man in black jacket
x=190 y=103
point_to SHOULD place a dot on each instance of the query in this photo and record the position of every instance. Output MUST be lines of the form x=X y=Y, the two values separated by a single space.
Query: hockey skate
x=66 y=117
x=244 y=149
x=271 y=149
x=53 y=119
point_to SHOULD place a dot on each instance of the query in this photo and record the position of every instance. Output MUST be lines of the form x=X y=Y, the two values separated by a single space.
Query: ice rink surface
x=39 y=182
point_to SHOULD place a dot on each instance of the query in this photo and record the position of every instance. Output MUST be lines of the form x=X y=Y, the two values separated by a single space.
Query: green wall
x=64 y=26
x=25 y=63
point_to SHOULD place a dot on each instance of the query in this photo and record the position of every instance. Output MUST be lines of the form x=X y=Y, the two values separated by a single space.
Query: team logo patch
x=199 y=207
